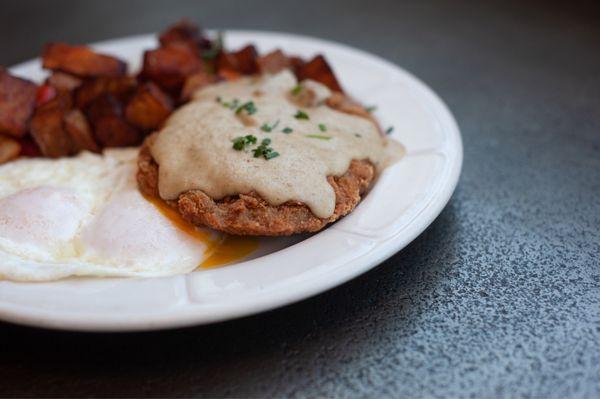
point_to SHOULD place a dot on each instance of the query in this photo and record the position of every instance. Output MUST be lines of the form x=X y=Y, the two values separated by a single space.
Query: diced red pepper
x=44 y=94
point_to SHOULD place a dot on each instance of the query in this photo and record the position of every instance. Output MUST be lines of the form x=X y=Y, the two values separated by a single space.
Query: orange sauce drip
x=221 y=249
x=231 y=249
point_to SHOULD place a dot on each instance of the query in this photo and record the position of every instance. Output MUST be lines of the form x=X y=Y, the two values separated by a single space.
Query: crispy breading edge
x=248 y=213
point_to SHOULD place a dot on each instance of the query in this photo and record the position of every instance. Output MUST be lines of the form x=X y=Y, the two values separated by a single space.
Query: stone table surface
x=499 y=297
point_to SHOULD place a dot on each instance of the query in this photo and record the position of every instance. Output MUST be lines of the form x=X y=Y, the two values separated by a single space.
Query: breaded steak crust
x=248 y=213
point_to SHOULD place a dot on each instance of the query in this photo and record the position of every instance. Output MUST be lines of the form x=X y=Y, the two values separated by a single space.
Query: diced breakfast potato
x=196 y=82
x=187 y=32
x=81 y=61
x=273 y=62
x=227 y=74
x=9 y=149
x=17 y=100
x=29 y=147
x=47 y=126
x=148 y=107
x=110 y=128
x=63 y=81
x=78 y=129
x=246 y=60
x=120 y=87
x=242 y=61
x=319 y=70
x=170 y=65
x=88 y=102
x=297 y=64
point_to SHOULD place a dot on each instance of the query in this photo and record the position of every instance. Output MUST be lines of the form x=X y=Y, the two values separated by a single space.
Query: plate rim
x=187 y=315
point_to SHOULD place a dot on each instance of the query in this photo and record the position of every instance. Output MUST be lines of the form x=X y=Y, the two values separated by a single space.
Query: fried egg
x=84 y=216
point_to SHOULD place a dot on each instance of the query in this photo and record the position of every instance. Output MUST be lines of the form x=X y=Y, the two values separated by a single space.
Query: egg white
x=84 y=216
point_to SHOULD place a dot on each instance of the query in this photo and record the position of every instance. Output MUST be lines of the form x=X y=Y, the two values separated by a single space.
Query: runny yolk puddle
x=221 y=249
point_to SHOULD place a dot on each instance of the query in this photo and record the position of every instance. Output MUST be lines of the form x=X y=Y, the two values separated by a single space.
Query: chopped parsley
x=263 y=150
x=357 y=135
x=268 y=128
x=322 y=127
x=389 y=130
x=229 y=104
x=241 y=142
x=249 y=107
x=301 y=115
x=270 y=155
x=319 y=136
x=287 y=130
x=371 y=108
x=296 y=90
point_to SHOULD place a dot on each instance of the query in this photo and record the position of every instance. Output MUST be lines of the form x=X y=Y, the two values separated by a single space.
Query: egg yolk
x=221 y=249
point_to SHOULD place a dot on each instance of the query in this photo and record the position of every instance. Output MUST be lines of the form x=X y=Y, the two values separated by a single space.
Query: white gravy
x=194 y=150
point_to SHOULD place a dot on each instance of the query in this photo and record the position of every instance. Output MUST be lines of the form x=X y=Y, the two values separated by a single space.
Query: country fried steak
x=248 y=213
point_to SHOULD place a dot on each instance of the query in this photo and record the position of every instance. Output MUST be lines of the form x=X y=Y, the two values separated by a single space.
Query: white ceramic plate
x=405 y=200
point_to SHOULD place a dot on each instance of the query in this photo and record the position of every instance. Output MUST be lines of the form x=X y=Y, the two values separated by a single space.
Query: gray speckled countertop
x=500 y=297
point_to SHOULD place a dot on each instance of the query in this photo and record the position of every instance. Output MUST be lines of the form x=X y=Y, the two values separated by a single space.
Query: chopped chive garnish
x=301 y=115
x=229 y=104
x=318 y=136
x=263 y=150
x=241 y=142
x=249 y=107
x=322 y=127
x=371 y=108
x=268 y=128
x=287 y=130
x=389 y=130
x=297 y=89
x=357 y=135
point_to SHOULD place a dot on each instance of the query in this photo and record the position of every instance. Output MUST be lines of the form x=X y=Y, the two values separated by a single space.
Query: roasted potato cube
x=121 y=88
x=187 y=32
x=168 y=66
x=63 y=81
x=29 y=147
x=81 y=61
x=196 y=82
x=113 y=131
x=110 y=128
x=297 y=64
x=273 y=62
x=78 y=129
x=148 y=107
x=319 y=70
x=17 y=100
x=9 y=149
x=242 y=61
x=246 y=60
x=228 y=74
x=47 y=126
